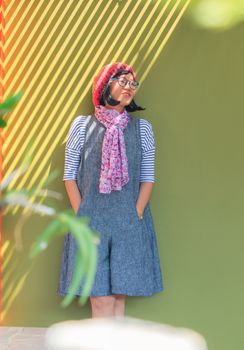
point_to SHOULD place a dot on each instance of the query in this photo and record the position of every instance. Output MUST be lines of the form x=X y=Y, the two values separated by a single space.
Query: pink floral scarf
x=114 y=168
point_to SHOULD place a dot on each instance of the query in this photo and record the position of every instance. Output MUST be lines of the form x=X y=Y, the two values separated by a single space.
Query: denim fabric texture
x=128 y=259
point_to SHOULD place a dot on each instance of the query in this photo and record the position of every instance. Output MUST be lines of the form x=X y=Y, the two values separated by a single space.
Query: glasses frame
x=129 y=82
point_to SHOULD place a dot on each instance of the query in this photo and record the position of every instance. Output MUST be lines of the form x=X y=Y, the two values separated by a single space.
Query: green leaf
x=86 y=257
x=43 y=240
x=9 y=103
x=2 y=123
x=90 y=277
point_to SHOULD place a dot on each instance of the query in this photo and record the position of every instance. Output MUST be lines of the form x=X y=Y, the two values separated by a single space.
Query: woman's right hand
x=73 y=194
x=77 y=208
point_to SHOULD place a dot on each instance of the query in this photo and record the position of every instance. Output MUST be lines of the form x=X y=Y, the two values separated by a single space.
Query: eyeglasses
x=133 y=84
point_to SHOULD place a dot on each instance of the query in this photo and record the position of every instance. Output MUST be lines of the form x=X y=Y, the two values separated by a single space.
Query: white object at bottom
x=121 y=333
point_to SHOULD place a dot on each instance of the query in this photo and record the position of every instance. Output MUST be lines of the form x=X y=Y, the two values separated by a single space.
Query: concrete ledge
x=22 y=338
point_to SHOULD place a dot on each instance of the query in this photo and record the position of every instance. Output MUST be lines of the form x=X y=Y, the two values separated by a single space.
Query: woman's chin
x=125 y=101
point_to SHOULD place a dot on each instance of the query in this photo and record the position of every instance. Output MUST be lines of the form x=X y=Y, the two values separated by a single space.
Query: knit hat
x=102 y=79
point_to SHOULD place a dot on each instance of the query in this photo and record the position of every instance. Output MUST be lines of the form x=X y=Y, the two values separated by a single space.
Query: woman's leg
x=102 y=306
x=119 y=306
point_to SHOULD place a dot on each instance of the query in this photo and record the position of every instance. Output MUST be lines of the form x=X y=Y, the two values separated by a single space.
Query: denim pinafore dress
x=128 y=260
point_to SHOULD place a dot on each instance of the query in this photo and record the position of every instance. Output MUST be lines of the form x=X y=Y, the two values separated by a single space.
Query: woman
x=109 y=175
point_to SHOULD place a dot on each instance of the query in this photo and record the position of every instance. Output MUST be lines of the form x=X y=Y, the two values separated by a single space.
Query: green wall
x=193 y=97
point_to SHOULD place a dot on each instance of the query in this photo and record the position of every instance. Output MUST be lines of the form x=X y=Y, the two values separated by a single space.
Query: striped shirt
x=75 y=142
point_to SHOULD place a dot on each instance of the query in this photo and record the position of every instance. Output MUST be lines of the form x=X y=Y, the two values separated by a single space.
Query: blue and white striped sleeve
x=73 y=148
x=148 y=151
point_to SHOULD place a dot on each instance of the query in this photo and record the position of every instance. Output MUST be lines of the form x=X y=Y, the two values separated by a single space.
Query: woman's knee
x=102 y=301
x=119 y=297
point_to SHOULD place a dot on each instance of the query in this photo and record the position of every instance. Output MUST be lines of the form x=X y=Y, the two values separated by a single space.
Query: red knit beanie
x=101 y=80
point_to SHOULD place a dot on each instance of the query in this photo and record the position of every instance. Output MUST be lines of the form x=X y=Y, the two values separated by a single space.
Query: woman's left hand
x=143 y=197
x=139 y=212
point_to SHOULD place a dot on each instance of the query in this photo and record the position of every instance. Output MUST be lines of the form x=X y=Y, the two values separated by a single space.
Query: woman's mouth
x=126 y=94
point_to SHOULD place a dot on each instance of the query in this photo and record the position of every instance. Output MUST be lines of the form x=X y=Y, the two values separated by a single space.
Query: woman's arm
x=73 y=150
x=147 y=166
x=143 y=197
x=73 y=194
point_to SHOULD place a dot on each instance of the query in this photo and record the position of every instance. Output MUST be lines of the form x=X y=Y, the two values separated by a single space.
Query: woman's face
x=123 y=94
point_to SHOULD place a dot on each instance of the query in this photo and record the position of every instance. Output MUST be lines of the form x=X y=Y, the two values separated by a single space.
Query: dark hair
x=106 y=96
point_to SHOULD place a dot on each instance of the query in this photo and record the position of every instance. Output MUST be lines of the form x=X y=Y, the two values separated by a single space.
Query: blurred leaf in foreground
x=86 y=254
x=63 y=222
x=8 y=104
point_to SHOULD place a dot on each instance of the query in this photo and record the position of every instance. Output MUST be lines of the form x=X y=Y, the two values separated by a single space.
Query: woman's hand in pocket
x=143 y=197
x=73 y=194
x=139 y=212
x=77 y=208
